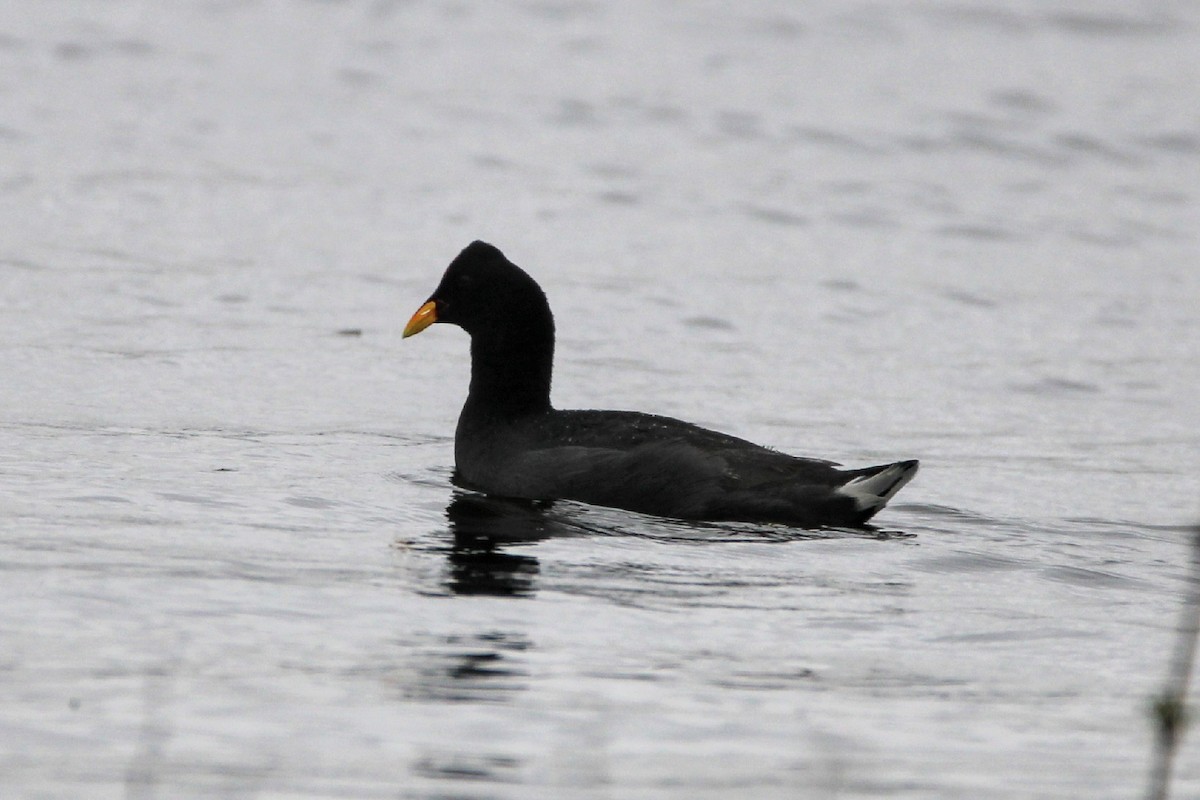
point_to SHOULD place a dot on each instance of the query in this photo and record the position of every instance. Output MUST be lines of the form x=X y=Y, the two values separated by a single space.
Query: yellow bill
x=426 y=315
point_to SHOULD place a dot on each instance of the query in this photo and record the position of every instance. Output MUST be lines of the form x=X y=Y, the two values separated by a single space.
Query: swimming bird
x=510 y=441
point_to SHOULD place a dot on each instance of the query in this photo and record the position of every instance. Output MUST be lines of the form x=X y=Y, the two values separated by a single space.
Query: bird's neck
x=510 y=375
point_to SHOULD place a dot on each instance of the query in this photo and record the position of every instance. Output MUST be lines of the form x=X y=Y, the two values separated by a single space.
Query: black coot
x=511 y=442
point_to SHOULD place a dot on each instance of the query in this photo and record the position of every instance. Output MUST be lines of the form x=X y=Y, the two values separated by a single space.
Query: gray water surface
x=232 y=563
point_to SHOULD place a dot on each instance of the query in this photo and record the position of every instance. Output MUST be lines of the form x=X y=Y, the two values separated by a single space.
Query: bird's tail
x=873 y=487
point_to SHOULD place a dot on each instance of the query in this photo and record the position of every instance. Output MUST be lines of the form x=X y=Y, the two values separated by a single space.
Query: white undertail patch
x=874 y=491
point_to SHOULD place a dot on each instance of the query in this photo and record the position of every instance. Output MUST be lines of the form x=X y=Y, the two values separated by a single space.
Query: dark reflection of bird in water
x=487 y=666
x=483 y=528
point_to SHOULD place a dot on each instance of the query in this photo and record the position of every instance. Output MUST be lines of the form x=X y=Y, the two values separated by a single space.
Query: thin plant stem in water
x=1170 y=710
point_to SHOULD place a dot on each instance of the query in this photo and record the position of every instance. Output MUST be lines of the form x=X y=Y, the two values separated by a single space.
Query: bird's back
x=657 y=465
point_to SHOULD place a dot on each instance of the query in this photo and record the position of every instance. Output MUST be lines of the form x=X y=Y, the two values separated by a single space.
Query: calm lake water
x=232 y=563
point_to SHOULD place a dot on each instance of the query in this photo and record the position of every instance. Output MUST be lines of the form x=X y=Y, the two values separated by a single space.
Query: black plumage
x=511 y=442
